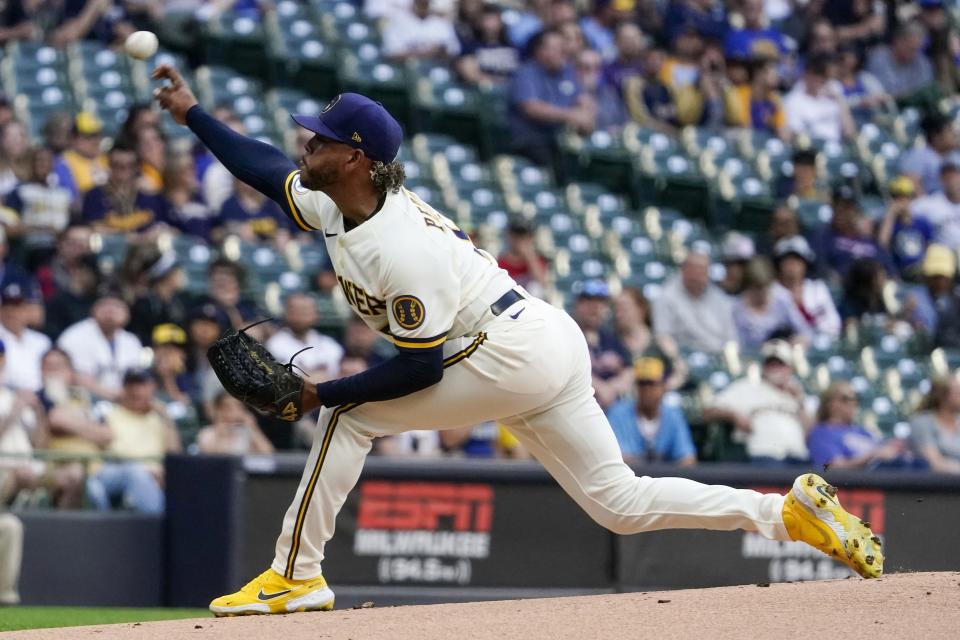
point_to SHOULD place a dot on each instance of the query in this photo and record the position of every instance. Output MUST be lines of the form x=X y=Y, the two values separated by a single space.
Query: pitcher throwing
x=472 y=346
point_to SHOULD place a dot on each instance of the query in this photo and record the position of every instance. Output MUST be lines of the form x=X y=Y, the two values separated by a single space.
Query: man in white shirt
x=815 y=106
x=942 y=208
x=24 y=346
x=322 y=361
x=768 y=414
x=101 y=350
x=419 y=34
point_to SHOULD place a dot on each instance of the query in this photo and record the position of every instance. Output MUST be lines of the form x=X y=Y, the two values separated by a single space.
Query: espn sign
x=414 y=526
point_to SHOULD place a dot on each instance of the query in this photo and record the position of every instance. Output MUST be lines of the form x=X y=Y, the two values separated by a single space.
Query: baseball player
x=471 y=346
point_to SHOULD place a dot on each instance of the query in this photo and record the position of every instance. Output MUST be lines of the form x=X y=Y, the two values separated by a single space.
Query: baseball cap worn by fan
x=939 y=260
x=649 y=369
x=359 y=122
x=794 y=245
x=778 y=350
x=591 y=289
x=168 y=333
x=737 y=247
x=13 y=293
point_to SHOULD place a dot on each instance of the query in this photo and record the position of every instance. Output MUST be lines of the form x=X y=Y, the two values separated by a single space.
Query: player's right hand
x=176 y=96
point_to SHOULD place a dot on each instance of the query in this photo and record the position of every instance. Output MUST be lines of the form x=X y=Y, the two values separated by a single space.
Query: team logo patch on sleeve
x=408 y=312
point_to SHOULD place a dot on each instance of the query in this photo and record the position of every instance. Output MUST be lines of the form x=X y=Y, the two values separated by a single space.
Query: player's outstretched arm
x=260 y=165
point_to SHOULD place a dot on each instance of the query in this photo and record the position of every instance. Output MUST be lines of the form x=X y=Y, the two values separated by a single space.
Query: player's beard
x=318 y=179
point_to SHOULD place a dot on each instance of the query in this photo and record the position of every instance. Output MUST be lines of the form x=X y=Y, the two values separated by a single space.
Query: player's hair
x=387 y=178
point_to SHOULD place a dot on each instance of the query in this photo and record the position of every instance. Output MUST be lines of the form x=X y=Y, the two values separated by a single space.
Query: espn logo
x=423 y=506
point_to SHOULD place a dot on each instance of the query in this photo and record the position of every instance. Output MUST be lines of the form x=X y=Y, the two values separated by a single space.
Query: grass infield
x=18 y=618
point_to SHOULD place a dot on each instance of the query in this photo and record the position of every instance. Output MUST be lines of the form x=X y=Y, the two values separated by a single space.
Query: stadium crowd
x=106 y=371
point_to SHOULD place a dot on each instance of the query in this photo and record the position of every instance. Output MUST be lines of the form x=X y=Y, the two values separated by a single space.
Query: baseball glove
x=252 y=375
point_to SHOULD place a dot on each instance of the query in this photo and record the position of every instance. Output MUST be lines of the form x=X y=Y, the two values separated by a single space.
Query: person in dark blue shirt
x=903 y=234
x=844 y=241
x=253 y=215
x=120 y=206
x=545 y=97
x=649 y=429
x=757 y=39
x=609 y=358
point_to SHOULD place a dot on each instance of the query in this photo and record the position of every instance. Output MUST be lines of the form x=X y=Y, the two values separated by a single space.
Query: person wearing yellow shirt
x=84 y=159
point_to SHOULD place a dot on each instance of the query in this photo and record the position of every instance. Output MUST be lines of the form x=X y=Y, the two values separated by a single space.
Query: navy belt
x=505 y=301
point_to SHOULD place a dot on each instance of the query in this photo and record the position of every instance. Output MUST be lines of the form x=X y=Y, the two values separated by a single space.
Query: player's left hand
x=176 y=97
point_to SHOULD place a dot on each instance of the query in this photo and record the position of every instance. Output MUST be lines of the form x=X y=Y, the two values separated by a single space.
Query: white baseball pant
x=529 y=369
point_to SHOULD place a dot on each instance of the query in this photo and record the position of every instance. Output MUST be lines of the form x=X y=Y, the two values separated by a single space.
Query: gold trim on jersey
x=325 y=447
x=418 y=343
x=294 y=209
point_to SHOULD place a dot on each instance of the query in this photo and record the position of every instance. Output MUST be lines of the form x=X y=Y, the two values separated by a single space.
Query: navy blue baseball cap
x=357 y=121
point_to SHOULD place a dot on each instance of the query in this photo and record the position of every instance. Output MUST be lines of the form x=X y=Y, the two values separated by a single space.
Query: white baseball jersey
x=408 y=271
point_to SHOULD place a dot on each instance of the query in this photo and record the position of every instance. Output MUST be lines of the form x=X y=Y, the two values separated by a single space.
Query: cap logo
x=332 y=103
x=356 y=137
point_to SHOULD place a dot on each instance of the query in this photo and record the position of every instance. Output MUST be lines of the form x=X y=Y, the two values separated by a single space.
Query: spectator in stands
x=142 y=435
x=633 y=325
x=922 y=162
x=23 y=346
x=784 y=223
x=847 y=238
x=362 y=346
x=836 y=442
x=43 y=207
x=165 y=301
x=856 y=22
x=768 y=415
x=811 y=298
x=736 y=251
x=806 y=183
x=631 y=45
x=693 y=73
x=863 y=298
x=188 y=212
x=935 y=430
x=253 y=216
x=419 y=34
x=901 y=67
x=521 y=259
x=87 y=164
x=140 y=115
x=11 y=539
x=865 y=96
x=696 y=313
x=611 y=113
x=74 y=425
x=902 y=234
x=100 y=348
x=73 y=245
x=322 y=359
x=227 y=280
x=610 y=360
x=648 y=98
x=757 y=38
x=72 y=302
x=151 y=147
x=486 y=56
x=815 y=107
x=821 y=36
x=943 y=44
x=207 y=322
x=704 y=17
x=14 y=160
x=234 y=430
x=120 y=206
x=934 y=299
x=600 y=26
x=647 y=428
x=757 y=104
x=545 y=97
x=22 y=428
x=174 y=385
x=763 y=311
x=57 y=133
x=942 y=209
x=477 y=441
x=574 y=42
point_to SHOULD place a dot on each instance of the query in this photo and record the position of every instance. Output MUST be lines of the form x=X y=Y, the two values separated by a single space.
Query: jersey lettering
x=360 y=300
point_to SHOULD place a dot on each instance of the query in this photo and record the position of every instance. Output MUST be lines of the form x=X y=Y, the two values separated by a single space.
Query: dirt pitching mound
x=913 y=605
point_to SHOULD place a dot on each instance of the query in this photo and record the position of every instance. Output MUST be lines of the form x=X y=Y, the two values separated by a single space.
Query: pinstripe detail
x=294 y=210
x=325 y=446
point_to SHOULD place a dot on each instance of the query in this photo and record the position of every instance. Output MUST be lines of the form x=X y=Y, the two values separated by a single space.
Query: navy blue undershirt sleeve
x=405 y=373
x=263 y=167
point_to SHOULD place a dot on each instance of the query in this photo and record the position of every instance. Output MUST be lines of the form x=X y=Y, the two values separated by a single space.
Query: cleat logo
x=271 y=596
x=826 y=495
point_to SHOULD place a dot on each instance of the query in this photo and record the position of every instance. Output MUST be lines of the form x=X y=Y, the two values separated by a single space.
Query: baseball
x=141 y=44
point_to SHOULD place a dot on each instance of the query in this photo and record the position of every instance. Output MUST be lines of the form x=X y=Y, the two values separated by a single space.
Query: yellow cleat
x=270 y=592
x=812 y=514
